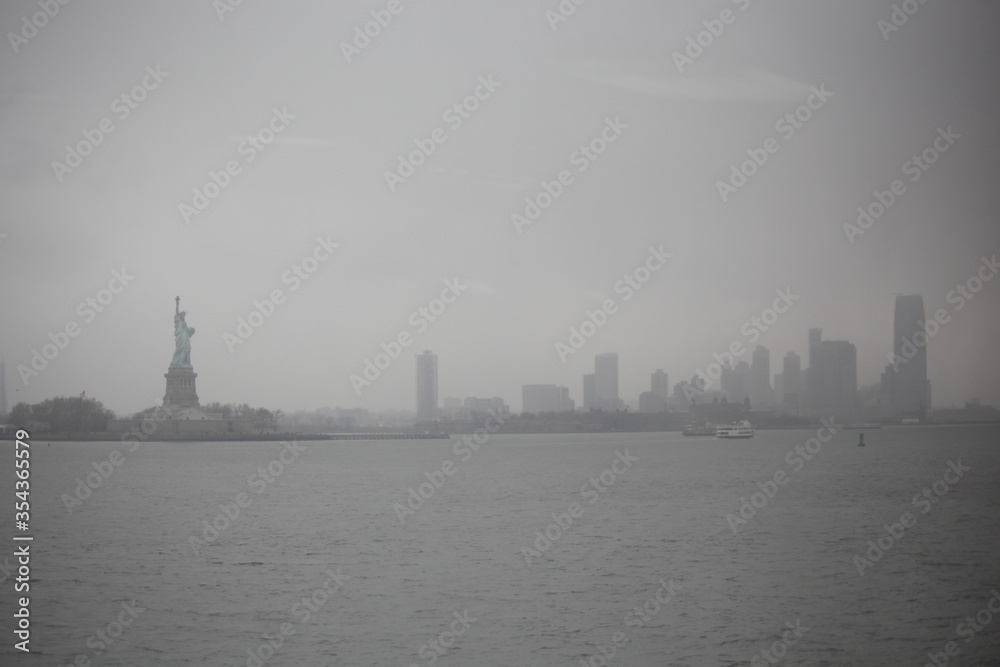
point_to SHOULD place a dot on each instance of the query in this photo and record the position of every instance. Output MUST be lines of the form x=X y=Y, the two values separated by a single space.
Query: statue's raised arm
x=182 y=339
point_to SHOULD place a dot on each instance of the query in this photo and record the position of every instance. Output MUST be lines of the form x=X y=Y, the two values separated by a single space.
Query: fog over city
x=474 y=178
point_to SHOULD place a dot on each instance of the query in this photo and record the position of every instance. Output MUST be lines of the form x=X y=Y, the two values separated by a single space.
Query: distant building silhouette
x=472 y=407
x=792 y=380
x=832 y=378
x=655 y=400
x=736 y=382
x=589 y=391
x=911 y=390
x=659 y=385
x=427 y=386
x=760 y=376
x=606 y=382
x=539 y=398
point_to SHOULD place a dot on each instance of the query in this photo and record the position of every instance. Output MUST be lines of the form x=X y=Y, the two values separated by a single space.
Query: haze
x=213 y=79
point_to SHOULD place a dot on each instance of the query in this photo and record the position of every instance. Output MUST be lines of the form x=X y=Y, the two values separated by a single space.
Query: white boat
x=736 y=430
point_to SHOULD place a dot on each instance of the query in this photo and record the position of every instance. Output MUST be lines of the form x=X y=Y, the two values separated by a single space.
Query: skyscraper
x=658 y=384
x=427 y=386
x=912 y=391
x=735 y=382
x=589 y=391
x=833 y=378
x=792 y=372
x=655 y=400
x=760 y=376
x=606 y=381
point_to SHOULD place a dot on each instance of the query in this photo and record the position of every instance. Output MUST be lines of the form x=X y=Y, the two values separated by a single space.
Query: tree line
x=61 y=415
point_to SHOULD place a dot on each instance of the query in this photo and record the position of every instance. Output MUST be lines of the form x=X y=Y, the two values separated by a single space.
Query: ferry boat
x=736 y=430
x=706 y=429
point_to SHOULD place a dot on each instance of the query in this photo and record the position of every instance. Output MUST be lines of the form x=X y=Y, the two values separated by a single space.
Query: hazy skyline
x=381 y=248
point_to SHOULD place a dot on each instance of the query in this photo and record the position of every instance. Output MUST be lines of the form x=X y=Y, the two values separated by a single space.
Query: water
x=400 y=585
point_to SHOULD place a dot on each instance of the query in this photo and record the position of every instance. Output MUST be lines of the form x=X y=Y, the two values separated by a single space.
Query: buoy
x=861 y=440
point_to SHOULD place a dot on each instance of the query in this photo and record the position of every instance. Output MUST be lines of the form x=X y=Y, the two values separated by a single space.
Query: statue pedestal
x=180 y=388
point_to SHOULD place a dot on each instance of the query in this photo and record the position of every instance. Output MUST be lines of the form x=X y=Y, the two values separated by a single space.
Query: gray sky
x=323 y=176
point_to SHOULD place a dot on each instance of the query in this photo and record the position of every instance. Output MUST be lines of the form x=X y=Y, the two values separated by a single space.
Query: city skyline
x=667 y=234
x=736 y=382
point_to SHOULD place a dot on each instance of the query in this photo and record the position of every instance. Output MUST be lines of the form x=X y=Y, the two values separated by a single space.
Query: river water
x=322 y=565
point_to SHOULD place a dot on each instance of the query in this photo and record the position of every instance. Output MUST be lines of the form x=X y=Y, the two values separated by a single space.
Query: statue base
x=181 y=388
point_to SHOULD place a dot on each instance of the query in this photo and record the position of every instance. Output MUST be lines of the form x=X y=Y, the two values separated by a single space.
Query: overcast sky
x=554 y=86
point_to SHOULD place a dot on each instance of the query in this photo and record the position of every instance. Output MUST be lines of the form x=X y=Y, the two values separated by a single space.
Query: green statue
x=182 y=339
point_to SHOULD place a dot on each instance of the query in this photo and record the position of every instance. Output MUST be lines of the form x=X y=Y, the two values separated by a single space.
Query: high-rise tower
x=427 y=386
x=910 y=386
x=760 y=376
x=606 y=381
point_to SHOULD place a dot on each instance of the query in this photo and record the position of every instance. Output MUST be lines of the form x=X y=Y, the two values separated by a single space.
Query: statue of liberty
x=182 y=339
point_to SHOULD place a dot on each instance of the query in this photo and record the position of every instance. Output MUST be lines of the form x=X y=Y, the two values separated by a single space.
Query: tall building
x=606 y=382
x=3 y=389
x=760 y=376
x=427 y=386
x=833 y=378
x=658 y=384
x=791 y=396
x=655 y=400
x=539 y=398
x=911 y=388
x=589 y=391
x=736 y=382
